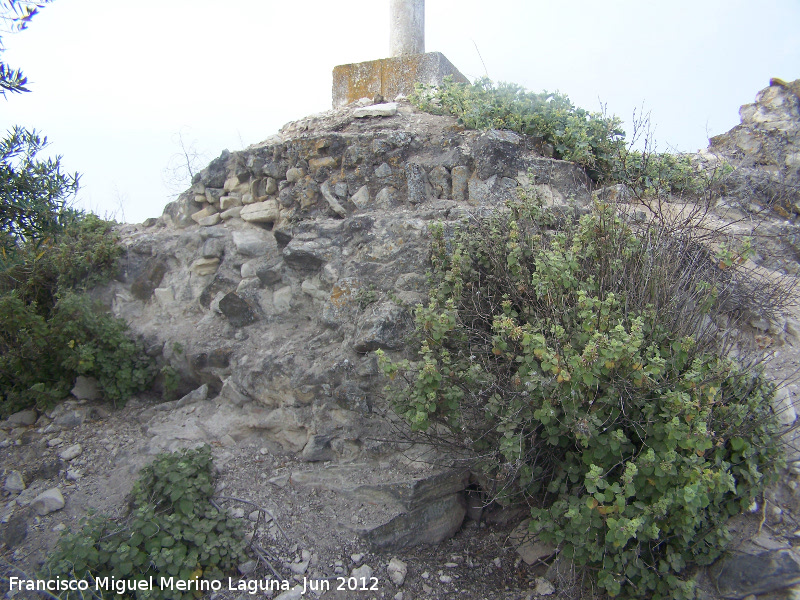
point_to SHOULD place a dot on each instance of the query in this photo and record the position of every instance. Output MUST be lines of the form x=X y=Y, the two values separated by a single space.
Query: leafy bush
x=578 y=359
x=172 y=530
x=591 y=139
x=33 y=192
x=50 y=332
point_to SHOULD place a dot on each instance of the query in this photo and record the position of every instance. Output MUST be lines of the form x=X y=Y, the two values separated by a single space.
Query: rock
x=231 y=213
x=208 y=211
x=14 y=532
x=198 y=395
x=226 y=202
x=528 y=547
x=248 y=567
x=23 y=418
x=460 y=176
x=48 y=501
x=210 y=221
x=542 y=587
x=205 y=266
x=318 y=448
x=738 y=576
x=149 y=279
x=361 y=197
x=296 y=593
x=419 y=189
x=440 y=181
x=388 y=109
x=784 y=407
x=253 y=243
x=362 y=573
x=213 y=248
x=397 y=570
x=431 y=523
x=383 y=327
x=86 y=388
x=328 y=162
x=237 y=310
x=71 y=453
x=383 y=170
x=234 y=393
x=332 y=201
x=14 y=483
x=282 y=299
x=164 y=296
x=261 y=212
x=294 y=175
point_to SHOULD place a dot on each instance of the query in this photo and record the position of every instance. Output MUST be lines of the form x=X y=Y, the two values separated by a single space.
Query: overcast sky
x=113 y=83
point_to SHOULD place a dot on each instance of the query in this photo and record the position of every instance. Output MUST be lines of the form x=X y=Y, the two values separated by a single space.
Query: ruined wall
x=285 y=265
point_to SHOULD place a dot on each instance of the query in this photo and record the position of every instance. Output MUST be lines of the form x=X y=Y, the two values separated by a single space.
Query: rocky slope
x=267 y=286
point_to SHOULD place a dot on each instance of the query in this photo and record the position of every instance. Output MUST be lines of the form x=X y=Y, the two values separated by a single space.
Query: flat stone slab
x=744 y=575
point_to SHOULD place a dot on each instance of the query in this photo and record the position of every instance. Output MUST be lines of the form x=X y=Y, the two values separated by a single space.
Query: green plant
x=172 y=529
x=366 y=296
x=592 y=139
x=578 y=361
x=50 y=331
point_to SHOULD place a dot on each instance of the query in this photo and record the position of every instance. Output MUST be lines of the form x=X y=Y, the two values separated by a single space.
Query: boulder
x=48 y=501
x=86 y=388
x=742 y=575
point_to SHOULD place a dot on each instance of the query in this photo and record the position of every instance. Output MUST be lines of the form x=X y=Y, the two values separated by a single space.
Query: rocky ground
x=90 y=453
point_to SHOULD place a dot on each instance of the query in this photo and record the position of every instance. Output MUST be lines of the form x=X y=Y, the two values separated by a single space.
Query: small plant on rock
x=172 y=529
x=578 y=360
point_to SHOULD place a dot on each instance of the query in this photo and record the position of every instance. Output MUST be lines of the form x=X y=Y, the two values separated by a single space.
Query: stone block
x=390 y=77
x=261 y=212
x=227 y=202
x=205 y=266
x=202 y=214
x=376 y=110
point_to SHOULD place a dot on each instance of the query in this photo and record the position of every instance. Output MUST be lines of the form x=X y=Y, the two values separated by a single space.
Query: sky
x=116 y=85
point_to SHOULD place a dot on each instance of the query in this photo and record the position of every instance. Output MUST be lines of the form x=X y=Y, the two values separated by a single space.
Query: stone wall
x=285 y=265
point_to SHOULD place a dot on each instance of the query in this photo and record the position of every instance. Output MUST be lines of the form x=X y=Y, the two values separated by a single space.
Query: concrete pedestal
x=390 y=77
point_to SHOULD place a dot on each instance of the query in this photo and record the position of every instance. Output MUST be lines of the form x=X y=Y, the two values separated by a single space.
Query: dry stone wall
x=285 y=265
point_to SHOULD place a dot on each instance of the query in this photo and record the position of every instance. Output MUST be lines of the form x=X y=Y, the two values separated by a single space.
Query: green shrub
x=591 y=139
x=50 y=332
x=578 y=360
x=172 y=530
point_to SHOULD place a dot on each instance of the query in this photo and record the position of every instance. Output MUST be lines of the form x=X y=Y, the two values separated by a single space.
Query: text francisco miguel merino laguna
x=252 y=586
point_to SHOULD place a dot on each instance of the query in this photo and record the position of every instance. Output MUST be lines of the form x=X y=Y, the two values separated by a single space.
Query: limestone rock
x=361 y=197
x=71 y=453
x=388 y=109
x=86 y=388
x=48 y=501
x=204 y=213
x=383 y=327
x=205 y=266
x=528 y=547
x=261 y=212
x=14 y=483
x=23 y=418
x=397 y=570
x=738 y=576
x=253 y=242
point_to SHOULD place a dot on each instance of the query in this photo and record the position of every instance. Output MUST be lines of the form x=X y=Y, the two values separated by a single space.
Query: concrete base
x=390 y=77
